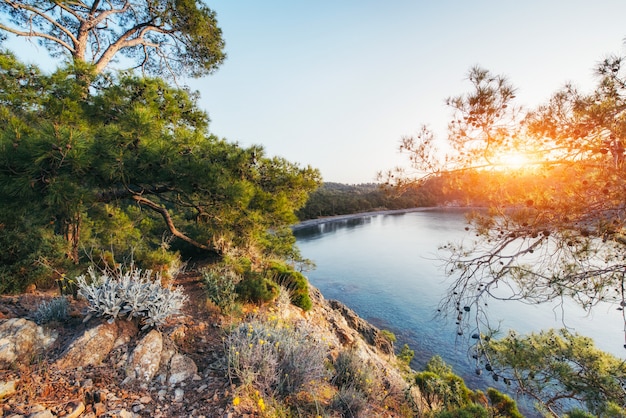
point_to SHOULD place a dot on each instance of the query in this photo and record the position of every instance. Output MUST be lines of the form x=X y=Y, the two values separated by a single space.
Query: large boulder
x=145 y=360
x=22 y=340
x=95 y=344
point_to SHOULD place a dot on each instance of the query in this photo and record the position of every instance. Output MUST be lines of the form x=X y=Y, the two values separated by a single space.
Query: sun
x=513 y=160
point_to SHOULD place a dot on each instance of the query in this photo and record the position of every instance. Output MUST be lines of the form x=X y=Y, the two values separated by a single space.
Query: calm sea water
x=387 y=269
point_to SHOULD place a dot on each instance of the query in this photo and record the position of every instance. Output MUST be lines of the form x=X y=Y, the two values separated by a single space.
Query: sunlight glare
x=513 y=160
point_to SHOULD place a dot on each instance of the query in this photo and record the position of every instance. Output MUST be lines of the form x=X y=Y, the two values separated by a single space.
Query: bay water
x=387 y=268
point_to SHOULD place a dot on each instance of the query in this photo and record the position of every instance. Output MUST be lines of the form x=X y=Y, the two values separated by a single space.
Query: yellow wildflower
x=236 y=401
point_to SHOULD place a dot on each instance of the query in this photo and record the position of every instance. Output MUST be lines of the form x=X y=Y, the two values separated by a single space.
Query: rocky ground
x=48 y=388
x=96 y=369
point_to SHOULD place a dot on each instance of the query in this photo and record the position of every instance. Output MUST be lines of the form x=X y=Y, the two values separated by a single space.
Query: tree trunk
x=70 y=229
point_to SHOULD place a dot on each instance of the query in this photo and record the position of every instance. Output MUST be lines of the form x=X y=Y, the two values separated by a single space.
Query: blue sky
x=336 y=84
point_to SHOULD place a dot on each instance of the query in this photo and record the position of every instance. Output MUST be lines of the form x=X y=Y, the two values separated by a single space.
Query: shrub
x=219 y=284
x=388 y=335
x=130 y=294
x=350 y=371
x=294 y=281
x=406 y=355
x=53 y=310
x=273 y=358
x=256 y=289
x=349 y=402
x=438 y=384
x=503 y=404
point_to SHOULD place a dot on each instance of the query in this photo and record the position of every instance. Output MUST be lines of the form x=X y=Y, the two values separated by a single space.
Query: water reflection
x=315 y=231
x=387 y=269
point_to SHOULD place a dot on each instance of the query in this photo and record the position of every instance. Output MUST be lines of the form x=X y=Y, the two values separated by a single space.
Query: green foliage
x=30 y=253
x=579 y=413
x=503 y=404
x=173 y=37
x=406 y=354
x=126 y=169
x=219 y=284
x=256 y=289
x=446 y=395
x=439 y=386
x=294 y=282
x=560 y=369
x=340 y=199
x=388 y=335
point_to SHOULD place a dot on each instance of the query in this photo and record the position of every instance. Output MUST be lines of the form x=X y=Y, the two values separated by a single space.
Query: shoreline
x=336 y=218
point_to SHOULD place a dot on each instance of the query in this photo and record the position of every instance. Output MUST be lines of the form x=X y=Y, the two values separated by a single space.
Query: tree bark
x=170 y=223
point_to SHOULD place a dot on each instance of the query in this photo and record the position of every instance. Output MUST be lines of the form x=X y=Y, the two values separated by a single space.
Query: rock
x=121 y=413
x=181 y=368
x=21 y=340
x=74 y=410
x=145 y=360
x=99 y=409
x=369 y=332
x=7 y=388
x=169 y=349
x=179 y=395
x=39 y=411
x=95 y=344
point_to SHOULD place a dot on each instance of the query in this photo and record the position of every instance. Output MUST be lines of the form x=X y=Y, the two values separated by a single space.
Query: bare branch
x=29 y=34
x=169 y=222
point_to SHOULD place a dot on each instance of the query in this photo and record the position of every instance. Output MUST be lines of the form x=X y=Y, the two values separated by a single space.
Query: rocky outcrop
x=95 y=344
x=369 y=332
x=145 y=360
x=22 y=340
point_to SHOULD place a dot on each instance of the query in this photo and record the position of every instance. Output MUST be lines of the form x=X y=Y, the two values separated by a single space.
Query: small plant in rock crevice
x=130 y=294
x=53 y=310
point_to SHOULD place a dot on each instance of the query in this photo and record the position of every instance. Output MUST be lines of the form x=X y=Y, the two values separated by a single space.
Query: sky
x=337 y=84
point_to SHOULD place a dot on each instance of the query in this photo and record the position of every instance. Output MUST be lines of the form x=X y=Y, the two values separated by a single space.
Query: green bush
x=389 y=336
x=30 y=254
x=256 y=289
x=406 y=354
x=438 y=384
x=503 y=404
x=219 y=284
x=293 y=281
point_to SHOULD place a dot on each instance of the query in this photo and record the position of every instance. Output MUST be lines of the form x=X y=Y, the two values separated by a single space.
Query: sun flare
x=513 y=161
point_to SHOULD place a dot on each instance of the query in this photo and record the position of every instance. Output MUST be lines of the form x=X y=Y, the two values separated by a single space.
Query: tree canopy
x=552 y=179
x=161 y=37
x=131 y=169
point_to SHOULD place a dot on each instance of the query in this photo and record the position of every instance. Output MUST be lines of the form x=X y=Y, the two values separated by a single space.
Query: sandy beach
x=327 y=219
